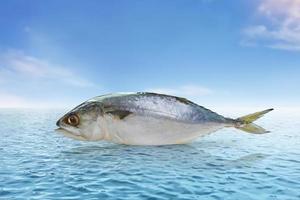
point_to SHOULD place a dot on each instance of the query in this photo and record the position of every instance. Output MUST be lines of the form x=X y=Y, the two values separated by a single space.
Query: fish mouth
x=61 y=130
x=70 y=134
x=57 y=123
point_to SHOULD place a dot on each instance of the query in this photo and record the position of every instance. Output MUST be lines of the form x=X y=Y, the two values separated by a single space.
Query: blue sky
x=217 y=53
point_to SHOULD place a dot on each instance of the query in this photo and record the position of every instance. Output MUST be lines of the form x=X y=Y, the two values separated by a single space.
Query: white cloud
x=25 y=81
x=282 y=30
x=193 y=91
x=8 y=100
x=16 y=64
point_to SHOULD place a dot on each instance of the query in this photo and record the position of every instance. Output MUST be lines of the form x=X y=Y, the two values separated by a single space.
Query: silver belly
x=145 y=130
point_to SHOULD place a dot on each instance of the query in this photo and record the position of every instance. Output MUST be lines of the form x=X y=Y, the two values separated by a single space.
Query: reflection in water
x=179 y=156
x=36 y=162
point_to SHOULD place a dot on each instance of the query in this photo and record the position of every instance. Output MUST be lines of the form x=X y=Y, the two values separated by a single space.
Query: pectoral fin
x=120 y=114
x=115 y=111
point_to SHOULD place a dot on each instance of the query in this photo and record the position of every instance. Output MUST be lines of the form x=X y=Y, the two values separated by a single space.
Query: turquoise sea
x=37 y=163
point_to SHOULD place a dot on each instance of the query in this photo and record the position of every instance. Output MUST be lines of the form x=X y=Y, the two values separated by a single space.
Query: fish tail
x=246 y=124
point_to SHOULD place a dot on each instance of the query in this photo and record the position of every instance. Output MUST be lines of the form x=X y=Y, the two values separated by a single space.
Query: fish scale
x=145 y=118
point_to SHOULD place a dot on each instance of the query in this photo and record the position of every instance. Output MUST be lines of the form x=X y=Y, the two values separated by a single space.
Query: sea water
x=38 y=163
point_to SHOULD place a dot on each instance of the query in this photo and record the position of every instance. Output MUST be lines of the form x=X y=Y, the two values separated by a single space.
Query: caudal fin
x=245 y=123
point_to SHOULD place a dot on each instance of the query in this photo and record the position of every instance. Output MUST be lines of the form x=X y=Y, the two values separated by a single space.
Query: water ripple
x=37 y=163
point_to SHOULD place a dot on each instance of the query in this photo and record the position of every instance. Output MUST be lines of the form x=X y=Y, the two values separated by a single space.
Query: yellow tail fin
x=245 y=123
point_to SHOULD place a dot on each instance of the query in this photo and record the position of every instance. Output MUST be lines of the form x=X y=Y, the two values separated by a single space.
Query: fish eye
x=73 y=120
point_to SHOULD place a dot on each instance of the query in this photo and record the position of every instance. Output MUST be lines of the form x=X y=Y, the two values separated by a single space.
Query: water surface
x=37 y=163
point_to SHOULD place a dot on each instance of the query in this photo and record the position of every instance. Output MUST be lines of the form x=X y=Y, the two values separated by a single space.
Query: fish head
x=81 y=123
